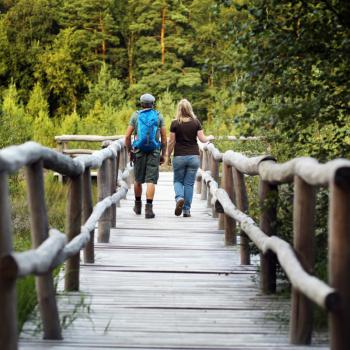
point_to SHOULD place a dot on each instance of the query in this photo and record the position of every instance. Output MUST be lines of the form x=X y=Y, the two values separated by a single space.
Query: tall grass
x=56 y=198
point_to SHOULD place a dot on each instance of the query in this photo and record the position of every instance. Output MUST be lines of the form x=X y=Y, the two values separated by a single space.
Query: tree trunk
x=162 y=35
x=130 y=58
x=104 y=44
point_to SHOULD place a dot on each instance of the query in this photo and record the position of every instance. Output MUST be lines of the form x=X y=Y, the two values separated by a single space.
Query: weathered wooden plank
x=168 y=284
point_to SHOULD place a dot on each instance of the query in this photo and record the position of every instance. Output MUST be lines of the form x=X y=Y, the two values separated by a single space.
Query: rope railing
x=231 y=202
x=51 y=247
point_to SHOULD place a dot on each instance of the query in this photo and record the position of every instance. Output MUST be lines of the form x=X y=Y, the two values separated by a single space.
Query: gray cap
x=147 y=98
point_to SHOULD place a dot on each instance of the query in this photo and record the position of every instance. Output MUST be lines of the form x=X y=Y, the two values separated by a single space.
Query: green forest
x=250 y=67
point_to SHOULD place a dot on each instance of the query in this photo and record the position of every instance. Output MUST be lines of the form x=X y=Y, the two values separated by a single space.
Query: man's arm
x=130 y=129
x=163 y=144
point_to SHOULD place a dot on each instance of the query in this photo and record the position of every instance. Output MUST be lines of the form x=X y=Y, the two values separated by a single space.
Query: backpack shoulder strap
x=136 y=122
x=158 y=113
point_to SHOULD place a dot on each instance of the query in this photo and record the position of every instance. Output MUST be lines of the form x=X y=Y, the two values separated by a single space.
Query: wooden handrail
x=239 y=138
x=63 y=140
x=87 y=138
x=77 y=151
x=51 y=248
x=316 y=290
x=297 y=261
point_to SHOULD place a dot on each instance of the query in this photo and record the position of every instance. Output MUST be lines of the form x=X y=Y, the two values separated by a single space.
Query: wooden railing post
x=122 y=161
x=89 y=254
x=214 y=169
x=113 y=186
x=104 y=188
x=221 y=222
x=229 y=223
x=39 y=230
x=205 y=167
x=126 y=160
x=131 y=176
x=126 y=157
x=74 y=210
x=209 y=165
x=242 y=205
x=301 y=321
x=199 y=178
x=59 y=146
x=268 y=204
x=8 y=329
x=118 y=167
x=339 y=257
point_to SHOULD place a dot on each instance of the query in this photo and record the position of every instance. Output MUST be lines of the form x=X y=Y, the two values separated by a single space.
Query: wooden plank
x=168 y=283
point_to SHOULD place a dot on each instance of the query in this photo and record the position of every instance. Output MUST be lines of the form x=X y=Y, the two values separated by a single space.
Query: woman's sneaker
x=179 y=205
x=186 y=214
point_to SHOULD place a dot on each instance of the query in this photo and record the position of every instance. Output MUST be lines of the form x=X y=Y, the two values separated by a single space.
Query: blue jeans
x=185 y=170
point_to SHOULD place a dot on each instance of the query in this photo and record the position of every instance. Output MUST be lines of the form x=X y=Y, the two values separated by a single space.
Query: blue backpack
x=147 y=128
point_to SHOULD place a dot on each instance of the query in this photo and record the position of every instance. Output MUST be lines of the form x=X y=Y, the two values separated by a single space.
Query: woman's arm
x=203 y=138
x=171 y=144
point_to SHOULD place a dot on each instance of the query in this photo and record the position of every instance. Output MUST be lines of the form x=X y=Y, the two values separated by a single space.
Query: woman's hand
x=210 y=138
x=202 y=138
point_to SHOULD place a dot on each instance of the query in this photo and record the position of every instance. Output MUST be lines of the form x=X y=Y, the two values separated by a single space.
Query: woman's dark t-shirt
x=186 y=137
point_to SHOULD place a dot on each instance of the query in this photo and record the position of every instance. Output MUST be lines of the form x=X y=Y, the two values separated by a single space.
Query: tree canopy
x=278 y=68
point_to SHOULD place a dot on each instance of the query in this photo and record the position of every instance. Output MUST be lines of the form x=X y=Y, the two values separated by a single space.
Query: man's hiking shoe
x=187 y=214
x=137 y=207
x=149 y=211
x=179 y=205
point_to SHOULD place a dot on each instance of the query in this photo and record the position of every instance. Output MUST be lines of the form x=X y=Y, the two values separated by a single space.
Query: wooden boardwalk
x=167 y=283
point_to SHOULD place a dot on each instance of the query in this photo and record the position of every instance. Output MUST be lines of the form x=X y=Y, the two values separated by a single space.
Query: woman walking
x=184 y=131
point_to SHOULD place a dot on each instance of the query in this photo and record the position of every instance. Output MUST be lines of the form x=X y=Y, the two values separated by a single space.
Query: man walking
x=146 y=151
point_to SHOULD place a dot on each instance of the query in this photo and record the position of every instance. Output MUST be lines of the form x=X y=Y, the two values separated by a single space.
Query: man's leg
x=139 y=173
x=138 y=194
x=151 y=178
x=149 y=214
x=151 y=188
x=138 y=189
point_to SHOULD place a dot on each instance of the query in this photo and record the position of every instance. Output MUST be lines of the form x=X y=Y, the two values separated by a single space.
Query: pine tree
x=96 y=28
x=162 y=47
x=60 y=70
x=101 y=120
x=107 y=90
x=38 y=110
x=70 y=124
x=28 y=26
x=16 y=125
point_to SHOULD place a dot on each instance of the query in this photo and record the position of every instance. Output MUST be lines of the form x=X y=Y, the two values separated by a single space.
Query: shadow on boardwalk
x=167 y=283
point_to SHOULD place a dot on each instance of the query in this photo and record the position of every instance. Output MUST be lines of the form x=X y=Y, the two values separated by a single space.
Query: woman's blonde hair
x=184 y=111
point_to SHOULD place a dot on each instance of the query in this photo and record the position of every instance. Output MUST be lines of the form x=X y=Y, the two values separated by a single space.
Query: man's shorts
x=146 y=167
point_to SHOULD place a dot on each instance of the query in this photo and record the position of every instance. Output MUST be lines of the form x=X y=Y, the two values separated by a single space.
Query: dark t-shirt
x=186 y=137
